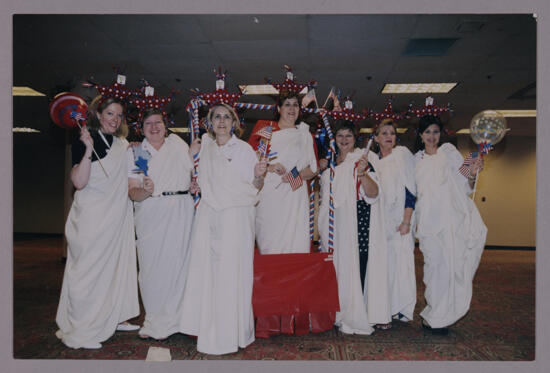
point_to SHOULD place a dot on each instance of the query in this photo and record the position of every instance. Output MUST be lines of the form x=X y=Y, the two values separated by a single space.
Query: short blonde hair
x=236 y=127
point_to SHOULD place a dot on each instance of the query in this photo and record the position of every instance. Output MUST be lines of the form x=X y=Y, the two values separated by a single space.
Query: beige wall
x=508 y=183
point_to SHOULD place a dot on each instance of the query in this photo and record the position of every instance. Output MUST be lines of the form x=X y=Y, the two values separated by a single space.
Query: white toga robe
x=100 y=281
x=451 y=234
x=395 y=173
x=282 y=215
x=217 y=302
x=163 y=230
x=358 y=310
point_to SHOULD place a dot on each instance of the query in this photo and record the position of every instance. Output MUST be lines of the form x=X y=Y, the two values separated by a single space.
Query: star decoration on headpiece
x=117 y=89
x=220 y=94
x=347 y=113
x=429 y=108
x=146 y=99
x=387 y=113
x=289 y=83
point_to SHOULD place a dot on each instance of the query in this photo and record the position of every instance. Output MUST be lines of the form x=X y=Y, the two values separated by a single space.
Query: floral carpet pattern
x=499 y=326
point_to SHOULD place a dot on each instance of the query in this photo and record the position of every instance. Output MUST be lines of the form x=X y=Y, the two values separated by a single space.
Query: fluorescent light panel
x=396 y=88
x=179 y=129
x=518 y=113
x=25 y=129
x=263 y=89
x=25 y=91
x=369 y=130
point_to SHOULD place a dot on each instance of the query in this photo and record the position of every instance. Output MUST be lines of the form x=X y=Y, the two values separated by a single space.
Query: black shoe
x=426 y=326
x=435 y=331
x=440 y=331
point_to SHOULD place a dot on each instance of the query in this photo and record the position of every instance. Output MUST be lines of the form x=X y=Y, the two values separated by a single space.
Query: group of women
x=196 y=267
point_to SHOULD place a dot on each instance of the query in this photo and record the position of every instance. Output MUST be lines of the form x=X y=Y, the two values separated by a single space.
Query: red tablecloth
x=293 y=284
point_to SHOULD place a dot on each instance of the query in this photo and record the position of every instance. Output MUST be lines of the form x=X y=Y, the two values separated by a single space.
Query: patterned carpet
x=499 y=326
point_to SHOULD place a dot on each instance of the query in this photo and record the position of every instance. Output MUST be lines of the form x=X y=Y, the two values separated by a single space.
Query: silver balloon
x=488 y=126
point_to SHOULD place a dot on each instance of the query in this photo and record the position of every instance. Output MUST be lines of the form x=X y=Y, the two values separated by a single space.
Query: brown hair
x=346 y=125
x=99 y=104
x=154 y=111
x=287 y=95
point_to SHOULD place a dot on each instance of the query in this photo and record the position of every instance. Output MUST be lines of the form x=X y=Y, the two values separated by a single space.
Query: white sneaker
x=126 y=327
x=92 y=346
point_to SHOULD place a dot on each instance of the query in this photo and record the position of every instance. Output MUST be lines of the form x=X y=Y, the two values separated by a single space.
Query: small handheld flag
x=294 y=179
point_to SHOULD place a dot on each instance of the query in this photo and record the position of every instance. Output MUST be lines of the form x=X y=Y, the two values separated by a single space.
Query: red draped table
x=294 y=293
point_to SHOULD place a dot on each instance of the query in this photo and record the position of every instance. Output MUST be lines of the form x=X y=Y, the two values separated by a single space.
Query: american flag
x=309 y=98
x=465 y=169
x=76 y=115
x=265 y=132
x=262 y=148
x=294 y=179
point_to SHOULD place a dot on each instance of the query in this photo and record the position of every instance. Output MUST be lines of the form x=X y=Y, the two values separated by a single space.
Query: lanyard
x=104 y=140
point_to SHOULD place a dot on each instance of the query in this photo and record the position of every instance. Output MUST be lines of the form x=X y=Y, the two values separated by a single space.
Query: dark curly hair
x=423 y=124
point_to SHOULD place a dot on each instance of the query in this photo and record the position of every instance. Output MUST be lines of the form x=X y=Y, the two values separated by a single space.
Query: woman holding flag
x=360 y=255
x=282 y=214
x=449 y=226
x=217 y=301
x=99 y=289
x=159 y=176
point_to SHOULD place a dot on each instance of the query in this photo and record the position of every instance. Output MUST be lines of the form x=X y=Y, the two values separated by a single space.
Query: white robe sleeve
x=131 y=164
x=455 y=162
x=308 y=158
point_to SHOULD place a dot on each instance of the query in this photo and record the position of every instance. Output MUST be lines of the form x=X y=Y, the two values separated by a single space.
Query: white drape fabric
x=451 y=235
x=359 y=310
x=100 y=281
x=163 y=230
x=282 y=215
x=217 y=302
x=395 y=173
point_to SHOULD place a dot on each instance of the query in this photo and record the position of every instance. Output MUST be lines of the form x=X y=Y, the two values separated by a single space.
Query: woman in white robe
x=449 y=227
x=163 y=217
x=396 y=176
x=99 y=289
x=282 y=215
x=217 y=301
x=362 y=284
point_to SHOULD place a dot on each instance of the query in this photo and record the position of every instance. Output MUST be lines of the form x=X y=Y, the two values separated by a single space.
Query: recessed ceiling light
x=25 y=91
x=396 y=88
x=25 y=129
x=263 y=89
x=517 y=113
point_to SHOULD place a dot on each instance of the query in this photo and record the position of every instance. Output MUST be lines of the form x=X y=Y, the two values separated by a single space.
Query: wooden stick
x=475 y=187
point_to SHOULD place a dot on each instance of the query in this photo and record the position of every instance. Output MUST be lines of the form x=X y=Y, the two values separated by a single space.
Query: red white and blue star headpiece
x=220 y=94
x=117 y=89
x=145 y=98
x=429 y=108
x=387 y=113
x=290 y=84
x=347 y=113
